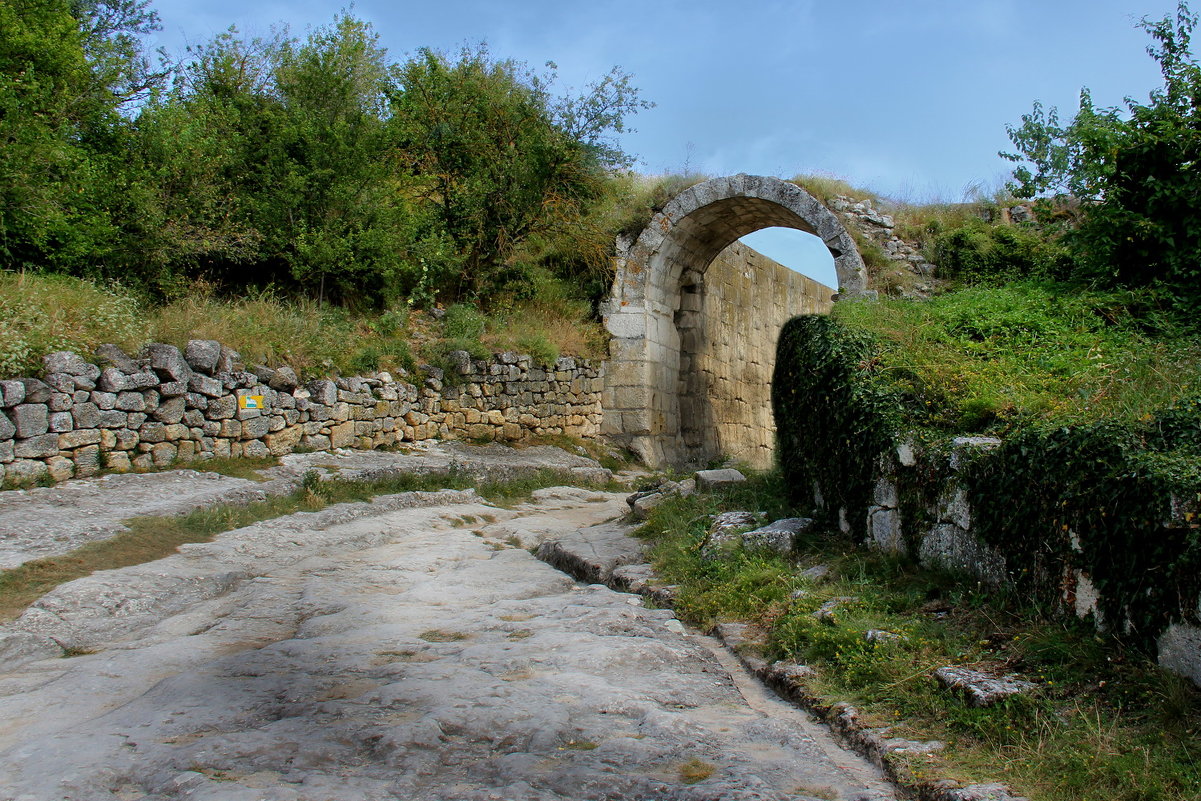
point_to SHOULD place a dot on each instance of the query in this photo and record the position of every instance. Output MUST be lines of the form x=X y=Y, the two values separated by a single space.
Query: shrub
x=463 y=321
x=979 y=253
x=834 y=413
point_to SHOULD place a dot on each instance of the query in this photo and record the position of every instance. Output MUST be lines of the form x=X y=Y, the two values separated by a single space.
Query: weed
x=578 y=745
x=439 y=635
x=694 y=770
x=75 y=650
x=248 y=467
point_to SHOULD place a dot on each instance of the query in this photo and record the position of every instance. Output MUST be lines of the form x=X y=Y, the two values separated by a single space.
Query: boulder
x=779 y=536
x=112 y=356
x=202 y=355
x=36 y=391
x=712 y=479
x=168 y=363
x=725 y=529
x=30 y=419
x=64 y=361
x=284 y=380
x=981 y=689
x=11 y=393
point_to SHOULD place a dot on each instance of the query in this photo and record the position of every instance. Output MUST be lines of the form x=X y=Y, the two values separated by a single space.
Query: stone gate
x=694 y=316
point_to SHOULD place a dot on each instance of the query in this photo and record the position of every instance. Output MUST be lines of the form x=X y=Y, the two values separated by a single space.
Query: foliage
x=66 y=70
x=1135 y=170
x=826 y=187
x=1097 y=497
x=1070 y=486
x=979 y=253
x=463 y=321
x=834 y=412
x=315 y=166
x=983 y=359
x=490 y=153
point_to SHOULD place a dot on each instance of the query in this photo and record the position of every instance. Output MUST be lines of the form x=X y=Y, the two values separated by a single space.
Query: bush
x=463 y=321
x=1135 y=172
x=541 y=349
x=979 y=253
x=834 y=412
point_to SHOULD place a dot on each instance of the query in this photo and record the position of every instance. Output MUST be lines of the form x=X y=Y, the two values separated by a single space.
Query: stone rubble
x=877 y=227
x=779 y=536
x=981 y=689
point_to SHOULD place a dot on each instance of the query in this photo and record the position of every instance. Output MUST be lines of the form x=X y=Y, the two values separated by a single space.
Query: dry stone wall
x=171 y=406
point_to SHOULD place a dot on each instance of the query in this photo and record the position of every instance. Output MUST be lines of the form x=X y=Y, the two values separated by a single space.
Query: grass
x=440 y=635
x=983 y=357
x=241 y=467
x=1104 y=723
x=151 y=538
x=694 y=770
x=40 y=314
x=826 y=186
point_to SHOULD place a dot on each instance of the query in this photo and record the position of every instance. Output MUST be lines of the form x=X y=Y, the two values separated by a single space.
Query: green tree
x=67 y=70
x=498 y=156
x=274 y=167
x=1134 y=169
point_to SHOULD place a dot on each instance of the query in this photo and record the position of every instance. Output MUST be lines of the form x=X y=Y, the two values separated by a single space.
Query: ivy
x=834 y=411
x=1108 y=498
x=1097 y=498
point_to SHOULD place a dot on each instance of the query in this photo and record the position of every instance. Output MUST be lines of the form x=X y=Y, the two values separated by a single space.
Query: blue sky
x=909 y=99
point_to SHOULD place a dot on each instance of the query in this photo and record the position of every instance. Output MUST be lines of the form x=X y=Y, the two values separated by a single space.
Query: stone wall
x=943 y=536
x=121 y=413
x=729 y=320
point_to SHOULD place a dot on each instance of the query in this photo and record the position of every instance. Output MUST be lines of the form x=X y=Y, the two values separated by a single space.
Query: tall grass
x=40 y=314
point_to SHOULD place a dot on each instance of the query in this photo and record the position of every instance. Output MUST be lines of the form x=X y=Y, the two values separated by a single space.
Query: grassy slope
x=40 y=314
x=986 y=357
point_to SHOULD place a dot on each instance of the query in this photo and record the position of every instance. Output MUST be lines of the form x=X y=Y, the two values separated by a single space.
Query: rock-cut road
x=409 y=648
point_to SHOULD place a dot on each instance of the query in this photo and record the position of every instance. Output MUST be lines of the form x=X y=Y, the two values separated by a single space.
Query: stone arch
x=658 y=301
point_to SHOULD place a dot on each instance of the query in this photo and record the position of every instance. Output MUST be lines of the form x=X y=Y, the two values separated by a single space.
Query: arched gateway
x=670 y=311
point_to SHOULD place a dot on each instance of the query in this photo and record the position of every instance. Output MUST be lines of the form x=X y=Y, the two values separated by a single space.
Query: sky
x=908 y=99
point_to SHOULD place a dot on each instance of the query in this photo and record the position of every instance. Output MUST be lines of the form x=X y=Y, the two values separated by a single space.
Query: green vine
x=1116 y=500
x=835 y=413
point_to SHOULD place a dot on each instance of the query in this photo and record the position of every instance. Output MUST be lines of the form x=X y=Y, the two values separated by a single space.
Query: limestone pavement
x=410 y=648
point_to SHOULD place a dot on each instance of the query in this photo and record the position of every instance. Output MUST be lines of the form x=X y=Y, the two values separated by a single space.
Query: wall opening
x=727 y=322
x=797 y=250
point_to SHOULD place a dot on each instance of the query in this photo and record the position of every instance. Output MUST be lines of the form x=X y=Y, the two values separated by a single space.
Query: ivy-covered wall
x=1099 y=520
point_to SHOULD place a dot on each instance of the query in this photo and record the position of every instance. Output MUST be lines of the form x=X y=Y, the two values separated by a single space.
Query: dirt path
x=403 y=649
